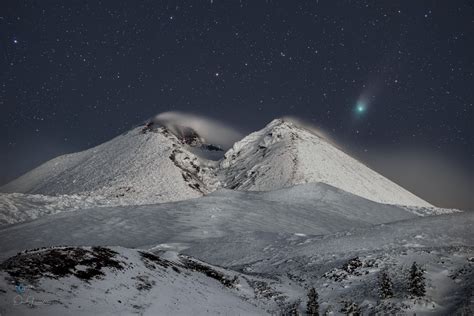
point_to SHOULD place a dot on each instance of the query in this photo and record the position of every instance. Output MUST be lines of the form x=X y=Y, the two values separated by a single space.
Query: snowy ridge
x=19 y=207
x=429 y=211
x=282 y=155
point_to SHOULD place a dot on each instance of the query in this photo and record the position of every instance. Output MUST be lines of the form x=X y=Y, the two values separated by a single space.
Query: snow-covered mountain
x=283 y=154
x=153 y=164
x=146 y=165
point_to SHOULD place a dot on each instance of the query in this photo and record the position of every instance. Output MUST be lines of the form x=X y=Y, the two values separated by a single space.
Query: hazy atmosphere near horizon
x=390 y=82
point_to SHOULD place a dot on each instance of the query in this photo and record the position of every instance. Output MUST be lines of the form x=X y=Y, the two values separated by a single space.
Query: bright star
x=15 y=41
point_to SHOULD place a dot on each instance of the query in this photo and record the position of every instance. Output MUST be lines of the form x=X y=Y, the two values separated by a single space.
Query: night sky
x=391 y=81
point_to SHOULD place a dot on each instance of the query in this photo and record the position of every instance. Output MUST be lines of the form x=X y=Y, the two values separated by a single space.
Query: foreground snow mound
x=142 y=166
x=111 y=281
x=282 y=155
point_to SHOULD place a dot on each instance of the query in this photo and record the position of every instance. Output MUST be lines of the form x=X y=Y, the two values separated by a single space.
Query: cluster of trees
x=416 y=283
x=416 y=287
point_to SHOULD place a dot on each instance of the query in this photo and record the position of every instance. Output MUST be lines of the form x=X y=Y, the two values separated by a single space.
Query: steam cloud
x=213 y=131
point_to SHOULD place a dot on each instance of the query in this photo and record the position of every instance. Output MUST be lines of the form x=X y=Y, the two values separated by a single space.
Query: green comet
x=360 y=108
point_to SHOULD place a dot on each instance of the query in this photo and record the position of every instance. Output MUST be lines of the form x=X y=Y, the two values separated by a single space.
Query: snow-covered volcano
x=283 y=154
x=152 y=164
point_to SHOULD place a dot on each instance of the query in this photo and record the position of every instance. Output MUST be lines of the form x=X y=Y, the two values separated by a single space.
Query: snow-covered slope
x=119 y=281
x=282 y=155
x=141 y=166
x=307 y=209
x=345 y=266
x=259 y=259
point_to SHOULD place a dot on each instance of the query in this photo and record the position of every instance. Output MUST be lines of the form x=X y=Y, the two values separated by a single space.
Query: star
x=15 y=41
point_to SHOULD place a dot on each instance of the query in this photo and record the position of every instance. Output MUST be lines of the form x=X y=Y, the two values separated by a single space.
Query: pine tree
x=293 y=310
x=312 y=306
x=385 y=286
x=351 y=308
x=416 y=285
